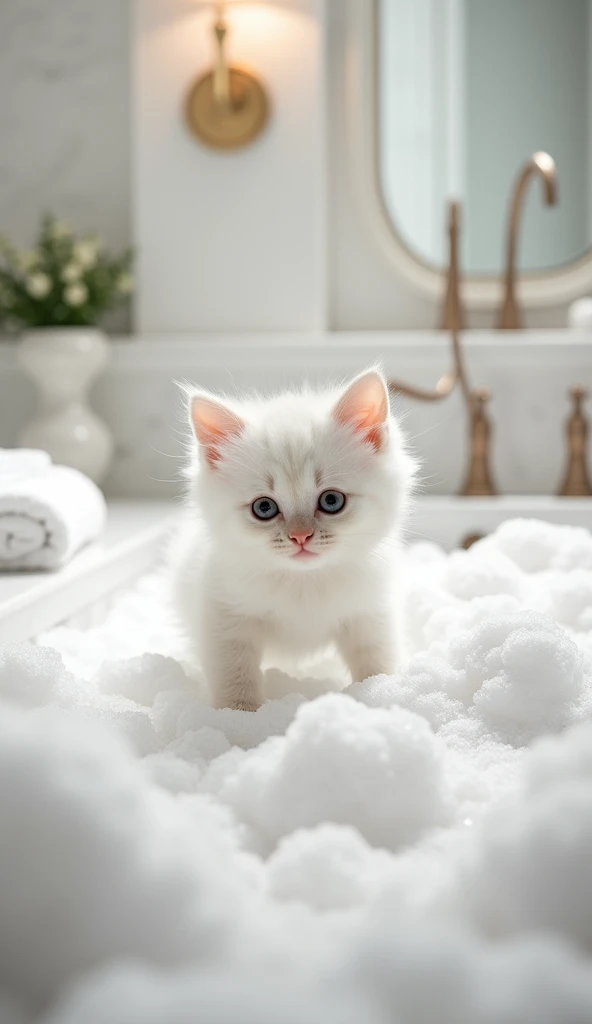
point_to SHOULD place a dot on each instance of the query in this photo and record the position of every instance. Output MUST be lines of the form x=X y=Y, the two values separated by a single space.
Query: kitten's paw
x=245 y=705
x=238 y=704
x=369 y=671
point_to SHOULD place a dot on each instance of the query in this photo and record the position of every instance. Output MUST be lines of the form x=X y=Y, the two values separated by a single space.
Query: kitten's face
x=301 y=481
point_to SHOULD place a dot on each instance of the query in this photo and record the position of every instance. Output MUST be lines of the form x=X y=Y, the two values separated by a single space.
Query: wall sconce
x=227 y=107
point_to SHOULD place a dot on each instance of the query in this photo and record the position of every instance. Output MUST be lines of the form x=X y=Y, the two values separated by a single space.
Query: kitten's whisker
x=428 y=430
x=408 y=532
x=167 y=455
x=433 y=483
x=425 y=479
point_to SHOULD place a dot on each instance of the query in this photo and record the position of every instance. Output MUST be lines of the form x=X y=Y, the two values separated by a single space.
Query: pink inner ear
x=214 y=425
x=365 y=407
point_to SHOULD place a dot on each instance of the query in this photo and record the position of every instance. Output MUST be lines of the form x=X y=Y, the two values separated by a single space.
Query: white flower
x=124 y=283
x=59 y=229
x=38 y=285
x=85 y=253
x=75 y=294
x=27 y=260
x=72 y=272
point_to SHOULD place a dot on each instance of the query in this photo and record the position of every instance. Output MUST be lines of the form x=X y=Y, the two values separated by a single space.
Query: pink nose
x=300 y=536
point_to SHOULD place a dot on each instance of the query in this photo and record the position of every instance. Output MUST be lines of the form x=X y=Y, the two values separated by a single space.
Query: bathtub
x=452 y=521
x=135 y=540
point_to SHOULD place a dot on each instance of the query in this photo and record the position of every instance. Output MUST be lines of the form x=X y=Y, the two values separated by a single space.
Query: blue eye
x=331 y=501
x=264 y=508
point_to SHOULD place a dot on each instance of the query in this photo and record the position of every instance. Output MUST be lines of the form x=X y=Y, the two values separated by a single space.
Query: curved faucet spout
x=543 y=165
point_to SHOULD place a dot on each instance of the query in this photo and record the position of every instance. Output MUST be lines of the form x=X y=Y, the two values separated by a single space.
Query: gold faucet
x=478 y=479
x=543 y=165
x=452 y=313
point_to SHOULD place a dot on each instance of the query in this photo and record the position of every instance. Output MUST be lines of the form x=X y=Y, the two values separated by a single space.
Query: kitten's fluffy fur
x=240 y=591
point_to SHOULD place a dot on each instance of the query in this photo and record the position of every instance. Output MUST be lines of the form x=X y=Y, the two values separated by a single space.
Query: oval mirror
x=466 y=91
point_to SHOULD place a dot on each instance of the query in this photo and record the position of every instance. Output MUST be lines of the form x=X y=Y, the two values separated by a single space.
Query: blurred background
x=294 y=221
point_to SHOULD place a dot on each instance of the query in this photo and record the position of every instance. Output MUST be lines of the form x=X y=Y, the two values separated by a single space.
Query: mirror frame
x=534 y=290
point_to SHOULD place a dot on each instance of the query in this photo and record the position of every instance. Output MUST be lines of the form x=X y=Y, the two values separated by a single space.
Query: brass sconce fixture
x=227 y=107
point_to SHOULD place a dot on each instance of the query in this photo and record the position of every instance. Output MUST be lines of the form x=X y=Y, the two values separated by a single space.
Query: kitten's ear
x=214 y=424
x=364 y=405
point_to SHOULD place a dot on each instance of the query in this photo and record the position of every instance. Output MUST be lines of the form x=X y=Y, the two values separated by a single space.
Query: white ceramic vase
x=63 y=361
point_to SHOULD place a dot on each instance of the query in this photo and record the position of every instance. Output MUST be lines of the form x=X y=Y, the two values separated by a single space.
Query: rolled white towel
x=44 y=520
x=22 y=464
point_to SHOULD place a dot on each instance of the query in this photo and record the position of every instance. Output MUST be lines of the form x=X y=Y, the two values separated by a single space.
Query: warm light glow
x=262 y=31
x=247 y=44
x=238 y=3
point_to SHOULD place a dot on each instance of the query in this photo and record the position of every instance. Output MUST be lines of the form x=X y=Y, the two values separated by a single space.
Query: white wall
x=230 y=241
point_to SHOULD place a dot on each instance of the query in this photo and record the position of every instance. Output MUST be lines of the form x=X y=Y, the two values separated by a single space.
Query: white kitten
x=292 y=535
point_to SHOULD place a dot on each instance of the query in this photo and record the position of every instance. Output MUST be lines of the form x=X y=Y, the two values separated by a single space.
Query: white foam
x=415 y=849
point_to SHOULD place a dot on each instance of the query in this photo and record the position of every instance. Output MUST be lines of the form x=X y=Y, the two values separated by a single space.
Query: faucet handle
x=479 y=480
x=576 y=481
